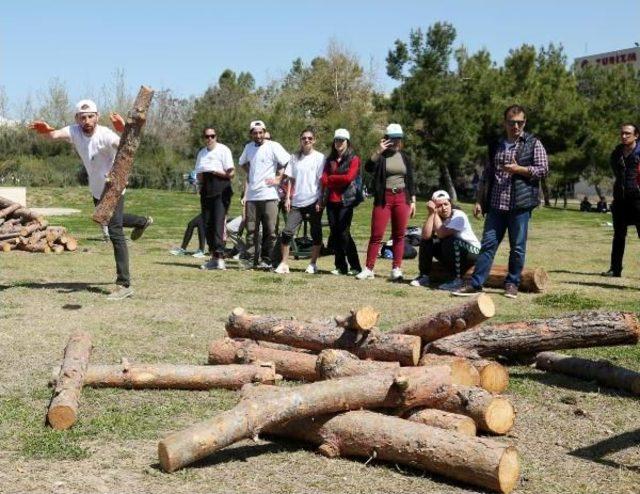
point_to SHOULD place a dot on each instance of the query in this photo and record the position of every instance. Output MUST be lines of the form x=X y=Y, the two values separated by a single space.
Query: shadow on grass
x=581 y=273
x=597 y=451
x=601 y=285
x=179 y=264
x=568 y=382
x=61 y=287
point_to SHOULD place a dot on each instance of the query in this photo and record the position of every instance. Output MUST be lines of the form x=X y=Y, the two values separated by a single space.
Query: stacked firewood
x=23 y=229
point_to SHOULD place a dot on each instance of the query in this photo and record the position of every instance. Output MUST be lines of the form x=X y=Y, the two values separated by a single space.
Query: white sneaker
x=221 y=265
x=365 y=274
x=198 y=254
x=282 y=268
x=178 y=251
x=210 y=264
x=422 y=280
x=452 y=285
x=311 y=269
x=264 y=265
x=396 y=274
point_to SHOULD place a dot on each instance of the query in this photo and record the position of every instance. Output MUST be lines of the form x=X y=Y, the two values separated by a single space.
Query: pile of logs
x=23 y=229
x=422 y=394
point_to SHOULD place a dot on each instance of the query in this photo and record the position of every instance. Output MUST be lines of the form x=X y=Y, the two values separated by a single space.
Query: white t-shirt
x=264 y=161
x=97 y=153
x=306 y=171
x=219 y=159
x=459 y=222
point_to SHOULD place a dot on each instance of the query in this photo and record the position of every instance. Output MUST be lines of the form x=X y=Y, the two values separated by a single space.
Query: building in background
x=630 y=56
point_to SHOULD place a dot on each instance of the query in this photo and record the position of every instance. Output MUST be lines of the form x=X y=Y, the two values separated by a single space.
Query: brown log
x=34 y=226
x=534 y=280
x=318 y=336
x=10 y=235
x=291 y=365
x=601 y=371
x=39 y=246
x=6 y=212
x=23 y=213
x=462 y=370
x=71 y=244
x=403 y=387
x=443 y=420
x=168 y=376
x=494 y=414
x=494 y=377
x=577 y=330
x=450 y=321
x=63 y=408
x=56 y=234
x=483 y=462
x=123 y=161
x=57 y=248
x=10 y=225
x=363 y=319
x=332 y=364
x=8 y=245
x=279 y=346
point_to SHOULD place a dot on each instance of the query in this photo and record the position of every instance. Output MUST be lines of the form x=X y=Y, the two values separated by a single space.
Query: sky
x=184 y=46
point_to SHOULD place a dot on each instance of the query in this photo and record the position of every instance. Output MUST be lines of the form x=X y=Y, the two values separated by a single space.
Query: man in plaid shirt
x=508 y=193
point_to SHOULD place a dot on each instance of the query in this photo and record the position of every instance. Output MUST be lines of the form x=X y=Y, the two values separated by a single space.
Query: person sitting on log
x=97 y=146
x=447 y=236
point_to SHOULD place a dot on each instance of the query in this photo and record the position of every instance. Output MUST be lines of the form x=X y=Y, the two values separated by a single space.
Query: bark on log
x=6 y=212
x=167 y=376
x=71 y=244
x=24 y=213
x=317 y=336
x=478 y=461
x=39 y=246
x=63 y=408
x=494 y=377
x=332 y=364
x=10 y=235
x=450 y=321
x=123 y=161
x=29 y=228
x=494 y=414
x=363 y=319
x=462 y=370
x=57 y=248
x=601 y=371
x=577 y=330
x=8 y=245
x=10 y=225
x=443 y=420
x=291 y=365
x=534 y=280
x=403 y=387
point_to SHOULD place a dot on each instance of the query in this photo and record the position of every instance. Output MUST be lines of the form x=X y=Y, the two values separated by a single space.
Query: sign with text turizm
x=630 y=56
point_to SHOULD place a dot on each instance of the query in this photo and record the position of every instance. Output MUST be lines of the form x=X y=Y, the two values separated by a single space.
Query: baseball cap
x=342 y=134
x=256 y=123
x=440 y=194
x=86 y=106
x=394 y=130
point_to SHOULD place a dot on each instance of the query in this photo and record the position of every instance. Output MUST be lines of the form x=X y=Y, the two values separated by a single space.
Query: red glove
x=40 y=126
x=117 y=121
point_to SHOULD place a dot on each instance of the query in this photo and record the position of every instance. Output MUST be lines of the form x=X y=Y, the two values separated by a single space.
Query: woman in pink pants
x=393 y=198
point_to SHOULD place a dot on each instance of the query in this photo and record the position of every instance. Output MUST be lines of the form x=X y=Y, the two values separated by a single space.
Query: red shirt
x=336 y=182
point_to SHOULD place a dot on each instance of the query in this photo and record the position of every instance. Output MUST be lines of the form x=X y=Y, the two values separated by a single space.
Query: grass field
x=573 y=437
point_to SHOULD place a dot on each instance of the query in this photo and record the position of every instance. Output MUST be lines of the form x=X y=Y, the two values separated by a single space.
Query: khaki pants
x=263 y=213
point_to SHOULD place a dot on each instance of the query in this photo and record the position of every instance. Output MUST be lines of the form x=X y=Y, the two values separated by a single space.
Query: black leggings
x=344 y=247
x=196 y=222
x=456 y=255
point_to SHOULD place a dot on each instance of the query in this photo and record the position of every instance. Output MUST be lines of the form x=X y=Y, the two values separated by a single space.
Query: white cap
x=257 y=123
x=86 y=106
x=342 y=134
x=394 y=130
x=440 y=194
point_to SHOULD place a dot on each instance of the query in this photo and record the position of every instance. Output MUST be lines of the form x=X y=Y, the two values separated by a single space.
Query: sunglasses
x=209 y=136
x=519 y=123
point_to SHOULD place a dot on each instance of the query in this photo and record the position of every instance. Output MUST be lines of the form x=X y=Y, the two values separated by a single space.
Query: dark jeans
x=116 y=234
x=344 y=247
x=263 y=213
x=196 y=222
x=454 y=254
x=624 y=213
x=495 y=225
x=295 y=218
x=214 y=210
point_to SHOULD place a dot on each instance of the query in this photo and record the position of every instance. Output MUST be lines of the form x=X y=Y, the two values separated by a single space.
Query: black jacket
x=618 y=166
x=379 y=171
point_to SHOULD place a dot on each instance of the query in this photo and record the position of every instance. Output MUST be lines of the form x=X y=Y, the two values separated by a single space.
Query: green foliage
x=567 y=301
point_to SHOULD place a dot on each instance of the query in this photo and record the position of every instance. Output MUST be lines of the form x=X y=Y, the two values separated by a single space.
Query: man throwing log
x=97 y=146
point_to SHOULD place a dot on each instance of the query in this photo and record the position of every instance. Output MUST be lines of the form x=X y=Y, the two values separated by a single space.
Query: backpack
x=358 y=184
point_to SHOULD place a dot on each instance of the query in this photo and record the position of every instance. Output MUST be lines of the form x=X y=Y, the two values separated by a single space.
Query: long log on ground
x=494 y=377
x=577 y=330
x=443 y=420
x=333 y=364
x=123 y=161
x=318 y=336
x=449 y=321
x=601 y=371
x=6 y=212
x=291 y=365
x=10 y=235
x=483 y=462
x=462 y=369
x=398 y=388
x=25 y=214
x=168 y=376
x=494 y=414
x=534 y=280
x=63 y=408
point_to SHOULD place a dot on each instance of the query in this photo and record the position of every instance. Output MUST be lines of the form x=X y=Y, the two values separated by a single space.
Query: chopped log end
x=540 y=280
x=365 y=318
x=238 y=311
x=165 y=459
x=631 y=320
x=486 y=305
x=61 y=417
x=508 y=470
x=500 y=416
x=401 y=382
x=329 y=450
x=494 y=377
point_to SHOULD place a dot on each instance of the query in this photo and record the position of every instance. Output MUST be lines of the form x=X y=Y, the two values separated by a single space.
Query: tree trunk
x=494 y=377
x=450 y=321
x=494 y=414
x=333 y=364
x=534 y=280
x=544 y=186
x=578 y=330
x=398 y=388
x=448 y=182
x=291 y=365
x=318 y=336
x=462 y=369
x=443 y=420
x=481 y=462
x=63 y=408
x=123 y=162
x=601 y=371
x=168 y=376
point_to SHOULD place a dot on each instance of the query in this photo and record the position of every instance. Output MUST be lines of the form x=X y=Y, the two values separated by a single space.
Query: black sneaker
x=611 y=274
x=137 y=232
x=467 y=290
x=510 y=290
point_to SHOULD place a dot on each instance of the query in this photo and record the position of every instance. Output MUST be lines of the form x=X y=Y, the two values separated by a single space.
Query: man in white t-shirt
x=97 y=146
x=263 y=161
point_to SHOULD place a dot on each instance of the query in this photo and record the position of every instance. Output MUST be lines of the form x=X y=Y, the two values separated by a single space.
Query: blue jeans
x=495 y=225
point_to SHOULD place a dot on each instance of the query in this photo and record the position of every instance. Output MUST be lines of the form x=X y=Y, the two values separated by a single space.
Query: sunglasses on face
x=513 y=123
x=209 y=136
